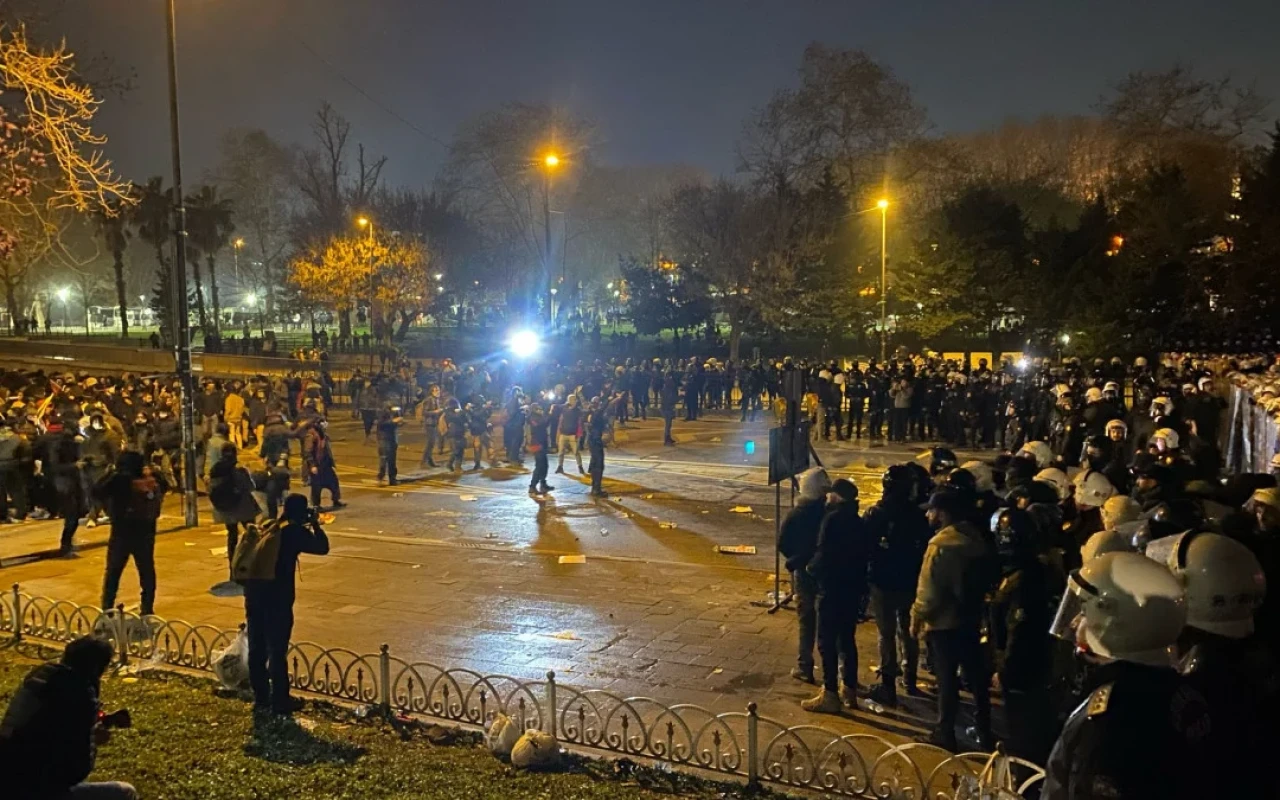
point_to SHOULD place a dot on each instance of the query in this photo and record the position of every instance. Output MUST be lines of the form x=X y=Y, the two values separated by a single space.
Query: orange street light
x=882 y=204
x=552 y=160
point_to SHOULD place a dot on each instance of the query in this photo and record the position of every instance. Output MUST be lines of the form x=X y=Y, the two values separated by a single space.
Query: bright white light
x=524 y=344
x=1066 y=338
x=142 y=298
x=63 y=294
x=439 y=289
x=1022 y=364
x=439 y=276
x=250 y=300
x=549 y=395
x=554 y=290
x=610 y=286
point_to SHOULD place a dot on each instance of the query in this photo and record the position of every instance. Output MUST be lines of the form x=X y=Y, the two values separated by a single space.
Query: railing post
x=17 y=613
x=122 y=638
x=551 y=704
x=753 y=746
x=384 y=678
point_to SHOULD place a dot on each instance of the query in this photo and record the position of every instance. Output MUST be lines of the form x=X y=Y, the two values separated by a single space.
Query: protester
x=317 y=460
x=797 y=542
x=268 y=606
x=231 y=495
x=133 y=496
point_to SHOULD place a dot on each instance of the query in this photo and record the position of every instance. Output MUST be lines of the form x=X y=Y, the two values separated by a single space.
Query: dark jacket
x=46 y=737
x=798 y=537
x=898 y=534
x=1020 y=620
x=231 y=493
x=295 y=539
x=842 y=555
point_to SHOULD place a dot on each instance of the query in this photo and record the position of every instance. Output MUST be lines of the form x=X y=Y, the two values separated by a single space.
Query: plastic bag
x=501 y=736
x=994 y=782
x=536 y=750
x=231 y=665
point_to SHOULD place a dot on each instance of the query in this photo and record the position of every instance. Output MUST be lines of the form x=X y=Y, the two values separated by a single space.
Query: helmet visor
x=1071 y=609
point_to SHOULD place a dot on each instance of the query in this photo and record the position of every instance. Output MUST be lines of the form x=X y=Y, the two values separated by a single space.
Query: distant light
x=616 y=293
x=920 y=306
x=549 y=395
x=251 y=300
x=552 y=160
x=1066 y=338
x=438 y=276
x=750 y=447
x=63 y=294
x=439 y=289
x=610 y=286
x=553 y=290
x=882 y=204
x=1022 y=364
x=524 y=344
x=477 y=283
x=142 y=298
x=362 y=221
x=239 y=242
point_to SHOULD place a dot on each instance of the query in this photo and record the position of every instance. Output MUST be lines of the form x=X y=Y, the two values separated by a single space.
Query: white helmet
x=1117 y=423
x=1093 y=395
x=1167 y=435
x=1057 y=479
x=1118 y=510
x=1109 y=541
x=1040 y=451
x=1161 y=407
x=982 y=475
x=1093 y=489
x=1123 y=607
x=1223 y=580
x=1139 y=362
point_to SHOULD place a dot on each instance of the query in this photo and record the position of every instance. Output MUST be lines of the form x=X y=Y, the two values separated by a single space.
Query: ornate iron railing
x=737 y=744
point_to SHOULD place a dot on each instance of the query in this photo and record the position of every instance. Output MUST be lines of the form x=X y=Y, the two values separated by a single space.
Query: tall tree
x=152 y=216
x=209 y=229
x=113 y=229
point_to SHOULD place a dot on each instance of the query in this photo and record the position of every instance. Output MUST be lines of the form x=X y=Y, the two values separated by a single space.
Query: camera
x=313 y=516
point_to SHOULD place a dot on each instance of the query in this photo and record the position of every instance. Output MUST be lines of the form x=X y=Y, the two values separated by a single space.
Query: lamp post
x=883 y=205
x=178 y=288
x=235 y=251
x=366 y=222
x=549 y=163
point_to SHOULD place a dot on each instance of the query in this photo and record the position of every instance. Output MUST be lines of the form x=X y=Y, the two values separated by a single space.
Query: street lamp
x=235 y=251
x=883 y=205
x=366 y=222
x=549 y=162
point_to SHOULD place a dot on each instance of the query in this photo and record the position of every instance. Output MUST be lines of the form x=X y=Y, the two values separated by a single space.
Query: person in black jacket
x=268 y=606
x=1020 y=617
x=133 y=495
x=58 y=453
x=839 y=567
x=898 y=534
x=797 y=542
x=51 y=732
x=231 y=495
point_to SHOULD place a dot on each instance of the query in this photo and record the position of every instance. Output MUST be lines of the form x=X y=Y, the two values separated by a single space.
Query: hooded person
x=839 y=568
x=797 y=542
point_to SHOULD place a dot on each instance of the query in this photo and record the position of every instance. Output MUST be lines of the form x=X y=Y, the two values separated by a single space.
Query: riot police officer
x=1123 y=612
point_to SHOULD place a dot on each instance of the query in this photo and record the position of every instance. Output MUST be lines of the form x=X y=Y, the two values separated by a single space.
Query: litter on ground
x=579 y=559
x=737 y=549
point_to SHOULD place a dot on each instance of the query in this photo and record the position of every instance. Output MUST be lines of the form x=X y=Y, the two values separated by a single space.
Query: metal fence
x=740 y=745
x=1252 y=436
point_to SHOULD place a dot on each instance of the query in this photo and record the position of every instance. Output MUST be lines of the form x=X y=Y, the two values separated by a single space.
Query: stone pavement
x=465 y=571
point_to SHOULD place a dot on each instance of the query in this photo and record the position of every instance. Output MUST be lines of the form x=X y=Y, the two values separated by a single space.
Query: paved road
x=466 y=570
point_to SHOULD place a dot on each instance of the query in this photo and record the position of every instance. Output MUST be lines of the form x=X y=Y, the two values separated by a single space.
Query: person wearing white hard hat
x=1222 y=659
x=1090 y=490
x=1123 y=612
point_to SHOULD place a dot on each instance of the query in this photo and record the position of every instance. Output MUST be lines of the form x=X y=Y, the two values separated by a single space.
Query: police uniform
x=1138 y=735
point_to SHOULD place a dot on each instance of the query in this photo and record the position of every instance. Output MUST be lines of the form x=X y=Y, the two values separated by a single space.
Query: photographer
x=51 y=732
x=268 y=606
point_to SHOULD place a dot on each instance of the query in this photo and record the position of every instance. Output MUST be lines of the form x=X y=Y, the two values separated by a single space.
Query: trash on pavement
x=578 y=559
x=737 y=549
x=467 y=498
x=218 y=551
x=666 y=525
x=741 y=510
x=568 y=636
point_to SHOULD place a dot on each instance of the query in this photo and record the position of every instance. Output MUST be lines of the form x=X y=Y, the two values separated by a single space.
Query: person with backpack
x=231 y=495
x=133 y=495
x=265 y=563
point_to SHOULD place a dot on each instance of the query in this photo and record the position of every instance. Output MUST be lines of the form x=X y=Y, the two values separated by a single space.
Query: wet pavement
x=466 y=570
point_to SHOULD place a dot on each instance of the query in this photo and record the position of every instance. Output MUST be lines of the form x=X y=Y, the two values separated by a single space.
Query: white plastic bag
x=501 y=736
x=231 y=665
x=994 y=782
x=536 y=750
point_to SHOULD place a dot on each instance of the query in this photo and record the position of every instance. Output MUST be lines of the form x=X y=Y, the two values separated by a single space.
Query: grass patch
x=187 y=742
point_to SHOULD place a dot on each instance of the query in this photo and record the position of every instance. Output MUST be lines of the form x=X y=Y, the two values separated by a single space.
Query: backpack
x=257 y=553
x=145 y=498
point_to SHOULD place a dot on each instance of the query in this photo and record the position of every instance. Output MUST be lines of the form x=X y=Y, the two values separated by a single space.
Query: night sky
x=665 y=80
